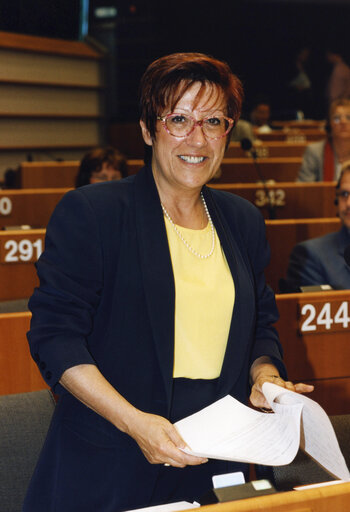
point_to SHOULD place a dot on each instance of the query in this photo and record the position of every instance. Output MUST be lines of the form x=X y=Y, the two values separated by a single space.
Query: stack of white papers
x=229 y=430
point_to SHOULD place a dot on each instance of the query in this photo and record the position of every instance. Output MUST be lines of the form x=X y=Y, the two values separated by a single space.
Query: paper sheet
x=230 y=430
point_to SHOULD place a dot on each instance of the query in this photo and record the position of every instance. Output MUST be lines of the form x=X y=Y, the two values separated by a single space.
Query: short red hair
x=167 y=79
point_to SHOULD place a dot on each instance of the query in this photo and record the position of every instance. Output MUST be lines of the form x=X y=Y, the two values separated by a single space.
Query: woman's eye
x=178 y=119
x=213 y=121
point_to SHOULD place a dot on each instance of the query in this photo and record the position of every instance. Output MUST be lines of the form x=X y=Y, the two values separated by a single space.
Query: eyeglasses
x=343 y=194
x=181 y=125
x=339 y=118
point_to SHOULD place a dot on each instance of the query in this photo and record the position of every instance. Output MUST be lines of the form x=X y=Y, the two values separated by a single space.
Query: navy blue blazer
x=321 y=261
x=107 y=297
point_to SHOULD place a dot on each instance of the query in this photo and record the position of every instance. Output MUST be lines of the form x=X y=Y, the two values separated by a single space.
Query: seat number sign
x=20 y=250
x=317 y=317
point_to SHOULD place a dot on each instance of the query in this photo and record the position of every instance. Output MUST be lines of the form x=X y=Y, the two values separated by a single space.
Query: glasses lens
x=217 y=126
x=179 y=125
x=338 y=118
x=344 y=194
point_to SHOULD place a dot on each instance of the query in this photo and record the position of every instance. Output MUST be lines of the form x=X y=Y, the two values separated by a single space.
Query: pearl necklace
x=193 y=251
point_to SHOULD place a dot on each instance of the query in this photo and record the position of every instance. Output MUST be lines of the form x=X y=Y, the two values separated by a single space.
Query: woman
x=101 y=164
x=166 y=311
x=322 y=161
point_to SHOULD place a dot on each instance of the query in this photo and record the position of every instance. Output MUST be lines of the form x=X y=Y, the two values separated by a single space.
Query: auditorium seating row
x=283 y=200
x=313 y=328
x=233 y=170
x=20 y=248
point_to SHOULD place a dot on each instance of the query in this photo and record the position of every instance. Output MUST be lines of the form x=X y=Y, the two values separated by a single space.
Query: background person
x=339 y=81
x=260 y=116
x=152 y=304
x=322 y=160
x=321 y=260
x=101 y=164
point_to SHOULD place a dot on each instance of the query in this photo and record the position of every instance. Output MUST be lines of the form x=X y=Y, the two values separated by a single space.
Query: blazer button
x=36 y=357
x=42 y=365
x=48 y=375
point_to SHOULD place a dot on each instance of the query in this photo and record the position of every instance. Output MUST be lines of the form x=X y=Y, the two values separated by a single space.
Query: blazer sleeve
x=71 y=275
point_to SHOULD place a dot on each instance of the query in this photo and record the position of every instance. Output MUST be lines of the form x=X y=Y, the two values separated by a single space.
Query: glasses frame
x=343 y=194
x=164 y=119
x=337 y=118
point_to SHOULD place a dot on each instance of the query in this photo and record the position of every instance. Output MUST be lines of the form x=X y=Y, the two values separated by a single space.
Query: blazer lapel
x=243 y=315
x=157 y=272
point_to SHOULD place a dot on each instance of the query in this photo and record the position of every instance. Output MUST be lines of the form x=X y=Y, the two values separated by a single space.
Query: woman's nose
x=197 y=137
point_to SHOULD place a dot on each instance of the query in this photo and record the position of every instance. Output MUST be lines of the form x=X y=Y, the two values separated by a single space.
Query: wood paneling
x=318 y=357
x=28 y=206
x=18 y=251
x=268 y=149
x=287 y=200
x=18 y=371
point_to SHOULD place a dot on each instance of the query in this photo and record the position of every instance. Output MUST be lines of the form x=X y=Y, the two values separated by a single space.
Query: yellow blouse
x=204 y=299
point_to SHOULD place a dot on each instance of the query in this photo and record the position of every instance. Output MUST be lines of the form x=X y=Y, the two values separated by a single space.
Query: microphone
x=246 y=145
x=347 y=255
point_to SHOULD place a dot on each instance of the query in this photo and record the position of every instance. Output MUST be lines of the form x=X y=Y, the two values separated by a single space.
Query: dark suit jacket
x=106 y=297
x=321 y=261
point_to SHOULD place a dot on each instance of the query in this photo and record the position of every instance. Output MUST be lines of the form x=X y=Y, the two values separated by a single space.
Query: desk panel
x=243 y=170
x=18 y=371
x=288 y=200
x=48 y=174
x=18 y=252
x=32 y=207
x=268 y=149
x=332 y=498
x=316 y=346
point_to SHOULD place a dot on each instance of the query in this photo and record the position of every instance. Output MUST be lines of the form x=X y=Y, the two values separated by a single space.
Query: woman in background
x=101 y=164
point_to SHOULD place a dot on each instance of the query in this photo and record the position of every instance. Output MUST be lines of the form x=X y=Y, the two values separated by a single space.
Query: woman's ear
x=145 y=133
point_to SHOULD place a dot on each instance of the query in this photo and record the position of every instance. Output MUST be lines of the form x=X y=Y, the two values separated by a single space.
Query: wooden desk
x=284 y=234
x=18 y=252
x=28 y=206
x=332 y=498
x=18 y=371
x=314 y=331
x=243 y=170
x=303 y=125
x=293 y=135
x=48 y=174
x=290 y=200
x=268 y=149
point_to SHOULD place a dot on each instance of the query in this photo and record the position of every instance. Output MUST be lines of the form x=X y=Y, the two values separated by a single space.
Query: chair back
x=304 y=470
x=24 y=422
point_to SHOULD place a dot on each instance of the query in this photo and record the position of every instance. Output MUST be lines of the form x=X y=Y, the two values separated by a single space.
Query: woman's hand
x=159 y=441
x=257 y=398
x=264 y=371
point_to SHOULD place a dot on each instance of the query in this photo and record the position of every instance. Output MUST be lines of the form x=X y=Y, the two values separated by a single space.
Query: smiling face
x=186 y=164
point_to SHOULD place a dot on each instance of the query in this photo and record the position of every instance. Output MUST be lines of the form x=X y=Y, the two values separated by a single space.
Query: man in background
x=320 y=260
